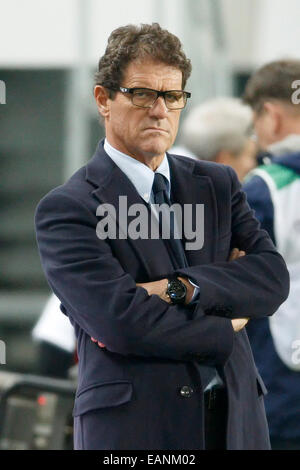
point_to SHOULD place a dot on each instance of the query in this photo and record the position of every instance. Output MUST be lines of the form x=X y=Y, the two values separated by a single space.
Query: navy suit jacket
x=129 y=394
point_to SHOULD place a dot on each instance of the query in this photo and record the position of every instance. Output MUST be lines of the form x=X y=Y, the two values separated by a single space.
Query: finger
x=101 y=345
x=234 y=254
x=142 y=285
x=94 y=340
x=241 y=254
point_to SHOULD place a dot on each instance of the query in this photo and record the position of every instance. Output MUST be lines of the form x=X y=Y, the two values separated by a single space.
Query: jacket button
x=186 y=391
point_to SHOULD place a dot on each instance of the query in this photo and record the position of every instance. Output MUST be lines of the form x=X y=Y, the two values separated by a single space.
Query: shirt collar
x=137 y=172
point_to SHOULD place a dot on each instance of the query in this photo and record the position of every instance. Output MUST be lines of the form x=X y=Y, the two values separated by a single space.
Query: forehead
x=152 y=74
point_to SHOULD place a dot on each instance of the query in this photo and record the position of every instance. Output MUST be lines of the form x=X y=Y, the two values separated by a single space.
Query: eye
x=174 y=97
x=143 y=93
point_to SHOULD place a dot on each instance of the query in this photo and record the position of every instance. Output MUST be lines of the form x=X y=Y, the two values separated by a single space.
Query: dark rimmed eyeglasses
x=146 y=97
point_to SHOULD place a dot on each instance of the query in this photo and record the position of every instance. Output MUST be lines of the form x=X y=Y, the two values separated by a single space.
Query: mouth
x=156 y=129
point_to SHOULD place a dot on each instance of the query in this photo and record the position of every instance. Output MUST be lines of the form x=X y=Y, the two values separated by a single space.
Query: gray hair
x=217 y=124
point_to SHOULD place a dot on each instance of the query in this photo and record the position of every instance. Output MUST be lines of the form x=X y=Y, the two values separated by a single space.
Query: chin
x=156 y=148
x=155 y=151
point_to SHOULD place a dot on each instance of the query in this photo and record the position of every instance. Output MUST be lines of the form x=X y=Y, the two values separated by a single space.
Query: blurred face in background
x=275 y=122
x=264 y=128
x=246 y=160
x=243 y=162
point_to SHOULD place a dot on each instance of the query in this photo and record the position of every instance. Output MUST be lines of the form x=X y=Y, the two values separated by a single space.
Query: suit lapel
x=189 y=186
x=110 y=183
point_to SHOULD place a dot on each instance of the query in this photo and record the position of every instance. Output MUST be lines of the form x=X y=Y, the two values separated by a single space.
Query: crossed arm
x=103 y=300
x=159 y=288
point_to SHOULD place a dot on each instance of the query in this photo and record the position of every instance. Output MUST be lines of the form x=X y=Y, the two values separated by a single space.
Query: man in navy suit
x=177 y=370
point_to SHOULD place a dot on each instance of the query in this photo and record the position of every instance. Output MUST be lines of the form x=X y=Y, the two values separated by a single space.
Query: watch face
x=176 y=291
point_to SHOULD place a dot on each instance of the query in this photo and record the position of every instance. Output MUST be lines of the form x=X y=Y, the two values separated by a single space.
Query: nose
x=159 y=110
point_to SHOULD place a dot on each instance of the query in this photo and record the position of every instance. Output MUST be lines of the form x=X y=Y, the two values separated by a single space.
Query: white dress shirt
x=142 y=178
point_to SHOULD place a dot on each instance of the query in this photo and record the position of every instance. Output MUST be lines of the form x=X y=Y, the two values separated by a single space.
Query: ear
x=275 y=117
x=102 y=100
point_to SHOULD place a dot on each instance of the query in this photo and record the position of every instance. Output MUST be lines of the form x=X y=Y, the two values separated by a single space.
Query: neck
x=151 y=160
x=290 y=124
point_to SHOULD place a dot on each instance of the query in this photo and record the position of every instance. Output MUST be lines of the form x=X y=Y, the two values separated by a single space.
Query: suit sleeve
x=253 y=286
x=100 y=297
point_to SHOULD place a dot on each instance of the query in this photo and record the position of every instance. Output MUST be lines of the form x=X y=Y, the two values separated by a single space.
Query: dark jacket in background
x=283 y=401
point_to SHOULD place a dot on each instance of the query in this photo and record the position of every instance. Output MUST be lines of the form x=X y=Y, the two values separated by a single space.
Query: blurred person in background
x=273 y=191
x=221 y=130
x=56 y=341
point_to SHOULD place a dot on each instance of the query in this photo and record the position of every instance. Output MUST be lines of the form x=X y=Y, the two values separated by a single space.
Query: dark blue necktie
x=160 y=192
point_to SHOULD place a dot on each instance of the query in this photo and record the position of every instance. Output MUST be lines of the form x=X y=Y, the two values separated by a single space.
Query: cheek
x=248 y=165
x=247 y=161
x=174 y=123
x=263 y=129
x=132 y=123
x=252 y=161
x=121 y=116
x=121 y=122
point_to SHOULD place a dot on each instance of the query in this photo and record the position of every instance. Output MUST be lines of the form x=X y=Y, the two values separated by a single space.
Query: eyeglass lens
x=146 y=98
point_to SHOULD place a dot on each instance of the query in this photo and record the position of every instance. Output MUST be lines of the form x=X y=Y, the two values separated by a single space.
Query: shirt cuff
x=196 y=292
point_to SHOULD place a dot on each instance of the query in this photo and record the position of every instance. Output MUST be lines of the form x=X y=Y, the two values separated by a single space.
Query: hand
x=235 y=254
x=158 y=288
x=101 y=345
x=239 y=323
